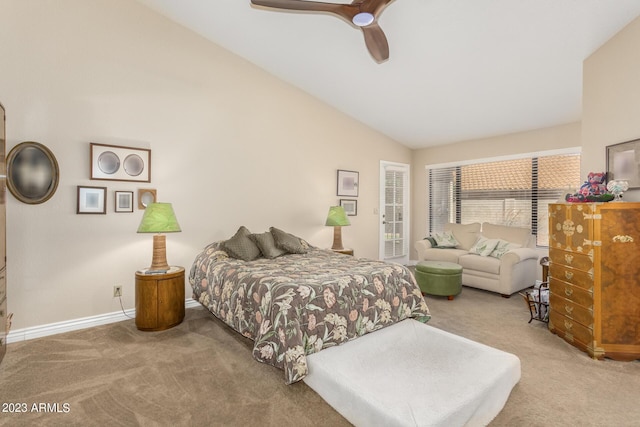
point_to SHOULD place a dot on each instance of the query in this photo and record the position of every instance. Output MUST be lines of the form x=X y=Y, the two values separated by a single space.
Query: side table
x=159 y=299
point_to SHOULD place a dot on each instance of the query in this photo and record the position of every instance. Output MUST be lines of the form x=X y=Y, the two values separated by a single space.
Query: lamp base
x=337 y=238
x=159 y=261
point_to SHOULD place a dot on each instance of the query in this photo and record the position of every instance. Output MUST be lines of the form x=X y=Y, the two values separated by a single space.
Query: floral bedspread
x=298 y=304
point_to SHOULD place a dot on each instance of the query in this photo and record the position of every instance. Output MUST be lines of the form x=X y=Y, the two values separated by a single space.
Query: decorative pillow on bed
x=483 y=246
x=267 y=245
x=241 y=246
x=289 y=242
x=503 y=247
x=445 y=239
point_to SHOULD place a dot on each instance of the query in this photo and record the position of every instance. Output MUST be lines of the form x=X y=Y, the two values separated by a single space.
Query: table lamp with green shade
x=337 y=218
x=159 y=218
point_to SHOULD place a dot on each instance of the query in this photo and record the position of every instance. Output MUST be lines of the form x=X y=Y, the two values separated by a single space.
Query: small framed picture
x=124 y=201
x=350 y=206
x=92 y=200
x=116 y=163
x=348 y=183
x=623 y=162
x=146 y=196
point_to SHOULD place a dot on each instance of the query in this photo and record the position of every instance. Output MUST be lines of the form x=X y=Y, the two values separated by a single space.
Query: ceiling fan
x=361 y=13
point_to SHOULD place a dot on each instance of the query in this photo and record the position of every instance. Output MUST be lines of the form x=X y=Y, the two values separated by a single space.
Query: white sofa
x=515 y=270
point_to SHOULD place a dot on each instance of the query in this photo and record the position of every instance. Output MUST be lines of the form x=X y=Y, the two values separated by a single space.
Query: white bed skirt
x=412 y=374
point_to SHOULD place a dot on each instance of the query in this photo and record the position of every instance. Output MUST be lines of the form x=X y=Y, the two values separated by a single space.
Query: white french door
x=394 y=212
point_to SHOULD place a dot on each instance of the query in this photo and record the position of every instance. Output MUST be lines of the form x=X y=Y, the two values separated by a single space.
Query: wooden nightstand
x=159 y=299
x=344 y=251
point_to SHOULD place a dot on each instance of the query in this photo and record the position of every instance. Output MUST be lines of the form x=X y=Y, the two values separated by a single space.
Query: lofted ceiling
x=457 y=70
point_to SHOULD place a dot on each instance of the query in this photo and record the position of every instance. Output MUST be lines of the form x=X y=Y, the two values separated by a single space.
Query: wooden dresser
x=3 y=232
x=594 y=277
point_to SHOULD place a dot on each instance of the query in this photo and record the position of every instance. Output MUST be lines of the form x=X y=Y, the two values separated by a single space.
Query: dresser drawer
x=580 y=278
x=572 y=293
x=571 y=310
x=570 y=330
x=577 y=260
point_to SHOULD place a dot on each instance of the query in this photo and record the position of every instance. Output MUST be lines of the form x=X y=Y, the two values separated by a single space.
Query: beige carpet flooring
x=201 y=373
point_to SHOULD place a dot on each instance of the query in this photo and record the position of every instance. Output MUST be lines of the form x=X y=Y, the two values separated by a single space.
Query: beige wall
x=611 y=98
x=611 y=112
x=558 y=137
x=231 y=145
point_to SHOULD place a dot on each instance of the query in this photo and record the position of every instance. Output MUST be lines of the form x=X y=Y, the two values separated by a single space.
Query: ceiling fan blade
x=373 y=7
x=376 y=42
x=346 y=11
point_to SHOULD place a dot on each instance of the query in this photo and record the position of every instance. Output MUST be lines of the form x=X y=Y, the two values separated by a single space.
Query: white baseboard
x=76 y=324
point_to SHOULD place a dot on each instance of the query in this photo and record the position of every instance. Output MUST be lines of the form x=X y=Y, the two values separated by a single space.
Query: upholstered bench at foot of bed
x=412 y=374
x=439 y=278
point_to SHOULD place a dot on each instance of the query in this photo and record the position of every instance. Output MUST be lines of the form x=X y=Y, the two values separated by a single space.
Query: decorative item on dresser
x=4 y=320
x=594 y=277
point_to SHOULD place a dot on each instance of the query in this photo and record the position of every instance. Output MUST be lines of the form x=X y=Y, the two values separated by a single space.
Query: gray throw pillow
x=288 y=242
x=241 y=246
x=267 y=245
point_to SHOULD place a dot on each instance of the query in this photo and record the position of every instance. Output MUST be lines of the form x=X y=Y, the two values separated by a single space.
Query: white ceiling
x=458 y=69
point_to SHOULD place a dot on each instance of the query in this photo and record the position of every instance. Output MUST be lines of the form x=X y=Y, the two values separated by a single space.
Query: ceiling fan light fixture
x=363 y=19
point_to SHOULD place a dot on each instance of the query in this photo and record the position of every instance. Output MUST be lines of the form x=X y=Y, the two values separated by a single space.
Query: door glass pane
x=394 y=212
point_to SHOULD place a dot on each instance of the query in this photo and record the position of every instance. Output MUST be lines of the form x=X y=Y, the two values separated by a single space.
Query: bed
x=297 y=304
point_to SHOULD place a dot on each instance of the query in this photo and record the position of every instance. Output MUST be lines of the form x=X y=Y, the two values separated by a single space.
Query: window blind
x=513 y=192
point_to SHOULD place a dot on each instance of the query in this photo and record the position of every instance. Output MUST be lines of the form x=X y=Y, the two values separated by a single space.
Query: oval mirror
x=32 y=172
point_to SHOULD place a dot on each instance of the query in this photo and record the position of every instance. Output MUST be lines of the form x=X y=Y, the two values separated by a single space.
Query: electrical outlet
x=117 y=291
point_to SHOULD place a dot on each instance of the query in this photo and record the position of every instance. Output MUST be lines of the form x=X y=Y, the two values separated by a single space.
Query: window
x=512 y=192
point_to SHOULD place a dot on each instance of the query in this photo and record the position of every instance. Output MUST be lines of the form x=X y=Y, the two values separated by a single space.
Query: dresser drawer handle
x=568 y=325
x=623 y=239
x=568 y=292
x=568 y=258
x=568 y=275
x=568 y=309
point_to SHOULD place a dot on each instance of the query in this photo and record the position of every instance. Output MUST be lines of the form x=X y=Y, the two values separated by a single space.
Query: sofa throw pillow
x=445 y=239
x=432 y=241
x=267 y=245
x=483 y=246
x=289 y=242
x=502 y=248
x=240 y=246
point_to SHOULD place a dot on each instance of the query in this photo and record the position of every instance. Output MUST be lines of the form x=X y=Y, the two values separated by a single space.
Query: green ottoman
x=439 y=278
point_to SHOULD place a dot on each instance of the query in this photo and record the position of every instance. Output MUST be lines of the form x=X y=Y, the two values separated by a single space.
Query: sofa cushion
x=445 y=239
x=484 y=246
x=502 y=248
x=465 y=234
x=449 y=255
x=480 y=263
x=519 y=235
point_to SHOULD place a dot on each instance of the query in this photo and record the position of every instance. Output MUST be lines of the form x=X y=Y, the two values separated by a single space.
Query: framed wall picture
x=350 y=206
x=623 y=162
x=92 y=200
x=146 y=196
x=116 y=163
x=348 y=183
x=124 y=201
